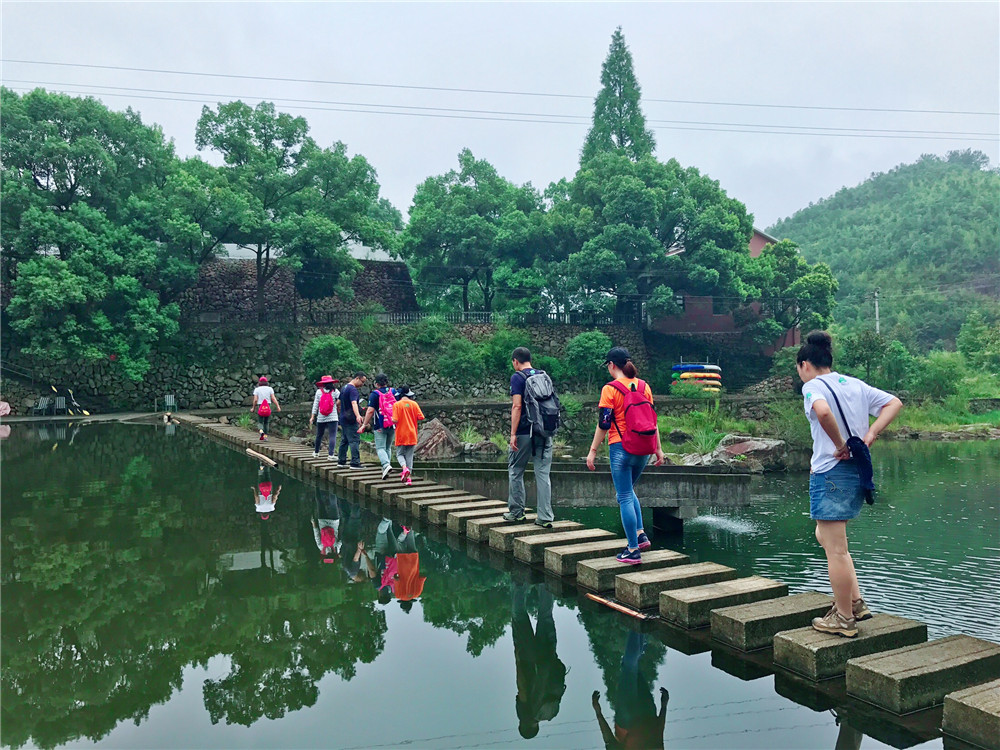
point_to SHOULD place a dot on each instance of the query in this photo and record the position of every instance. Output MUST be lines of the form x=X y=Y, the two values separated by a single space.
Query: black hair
x=360 y=374
x=403 y=390
x=629 y=371
x=817 y=351
x=381 y=379
x=406 y=606
x=521 y=354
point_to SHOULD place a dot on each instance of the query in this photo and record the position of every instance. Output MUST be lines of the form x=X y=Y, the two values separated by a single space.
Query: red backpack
x=326 y=403
x=639 y=435
x=386 y=402
x=264 y=410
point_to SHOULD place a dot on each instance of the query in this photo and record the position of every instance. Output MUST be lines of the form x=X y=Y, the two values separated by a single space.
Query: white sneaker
x=315 y=454
x=385 y=470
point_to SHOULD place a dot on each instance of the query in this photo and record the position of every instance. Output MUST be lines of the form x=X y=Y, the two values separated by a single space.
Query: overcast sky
x=923 y=56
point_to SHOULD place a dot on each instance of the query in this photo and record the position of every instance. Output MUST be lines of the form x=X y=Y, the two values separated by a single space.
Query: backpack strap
x=620 y=387
x=836 y=400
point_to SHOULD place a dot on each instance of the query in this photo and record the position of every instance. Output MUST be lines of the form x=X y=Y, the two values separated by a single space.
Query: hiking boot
x=629 y=557
x=544 y=524
x=644 y=542
x=514 y=517
x=860 y=610
x=836 y=624
x=385 y=470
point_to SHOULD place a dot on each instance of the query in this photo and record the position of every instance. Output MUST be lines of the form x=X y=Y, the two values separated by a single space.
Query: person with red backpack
x=324 y=413
x=263 y=396
x=381 y=401
x=629 y=422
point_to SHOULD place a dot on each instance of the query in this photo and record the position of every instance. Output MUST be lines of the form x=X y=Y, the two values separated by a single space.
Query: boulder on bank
x=770 y=453
x=484 y=447
x=679 y=437
x=437 y=441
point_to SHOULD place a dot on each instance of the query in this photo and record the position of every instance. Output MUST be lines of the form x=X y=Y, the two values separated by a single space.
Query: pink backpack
x=327 y=537
x=326 y=403
x=639 y=433
x=385 y=403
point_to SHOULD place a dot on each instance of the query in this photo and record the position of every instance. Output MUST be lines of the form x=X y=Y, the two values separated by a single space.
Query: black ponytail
x=817 y=351
x=629 y=371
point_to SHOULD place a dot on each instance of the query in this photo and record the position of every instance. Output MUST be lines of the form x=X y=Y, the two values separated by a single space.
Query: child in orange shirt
x=405 y=415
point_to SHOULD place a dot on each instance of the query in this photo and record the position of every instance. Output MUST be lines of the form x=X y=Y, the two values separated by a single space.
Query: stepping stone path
x=478 y=529
x=531 y=549
x=973 y=715
x=692 y=607
x=599 y=575
x=642 y=590
x=748 y=627
x=563 y=560
x=502 y=537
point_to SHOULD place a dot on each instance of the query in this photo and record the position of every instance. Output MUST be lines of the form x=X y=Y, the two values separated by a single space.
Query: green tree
x=865 y=349
x=619 y=124
x=973 y=336
x=331 y=355
x=584 y=354
x=936 y=375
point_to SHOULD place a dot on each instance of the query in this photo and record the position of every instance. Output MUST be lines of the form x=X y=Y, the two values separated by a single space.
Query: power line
x=501 y=92
x=583 y=118
x=530 y=121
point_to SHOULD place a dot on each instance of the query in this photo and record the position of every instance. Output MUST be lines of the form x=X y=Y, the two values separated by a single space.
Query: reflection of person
x=836 y=493
x=541 y=676
x=326 y=524
x=637 y=725
x=265 y=497
x=354 y=556
x=409 y=582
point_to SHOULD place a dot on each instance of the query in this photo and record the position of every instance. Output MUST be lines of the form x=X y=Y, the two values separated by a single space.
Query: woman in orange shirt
x=405 y=415
x=629 y=422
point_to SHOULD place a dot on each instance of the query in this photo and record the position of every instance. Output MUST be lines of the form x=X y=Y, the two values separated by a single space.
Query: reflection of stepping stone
x=641 y=590
x=599 y=574
x=821 y=655
x=502 y=537
x=562 y=560
x=691 y=607
x=532 y=549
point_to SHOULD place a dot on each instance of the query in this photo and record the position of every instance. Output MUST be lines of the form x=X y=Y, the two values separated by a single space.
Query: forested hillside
x=927 y=234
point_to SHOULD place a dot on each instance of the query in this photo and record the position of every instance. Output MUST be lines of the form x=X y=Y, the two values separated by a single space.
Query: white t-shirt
x=265 y=504
x=263 y=393
x=857 y=398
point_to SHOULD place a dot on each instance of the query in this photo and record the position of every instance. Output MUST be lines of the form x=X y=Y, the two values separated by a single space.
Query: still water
x=147 y=604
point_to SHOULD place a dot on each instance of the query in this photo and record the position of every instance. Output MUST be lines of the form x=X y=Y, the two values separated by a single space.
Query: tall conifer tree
x=619 y=124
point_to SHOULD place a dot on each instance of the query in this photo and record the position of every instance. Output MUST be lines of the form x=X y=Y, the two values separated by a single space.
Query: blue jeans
x=625 y=472
x=384 y=439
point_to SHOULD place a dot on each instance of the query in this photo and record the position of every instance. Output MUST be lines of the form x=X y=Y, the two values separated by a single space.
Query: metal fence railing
x=347 y=318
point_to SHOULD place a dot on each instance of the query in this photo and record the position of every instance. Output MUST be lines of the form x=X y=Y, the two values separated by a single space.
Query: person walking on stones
x=379 y=412
x=840 y=470
x=350 y=422
x=263 y=397
x=405 y=415
x=324 y=413
x=534 y=418
x=626 y=417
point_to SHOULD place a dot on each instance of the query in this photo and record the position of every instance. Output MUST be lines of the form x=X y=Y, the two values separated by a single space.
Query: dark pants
x=322 y=427
x=262 y=423
x=349 y=437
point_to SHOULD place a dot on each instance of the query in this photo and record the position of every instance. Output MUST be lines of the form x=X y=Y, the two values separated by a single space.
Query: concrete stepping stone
x=820 y=656
x=374 y=489
x=458 y=520
x=401 y=496
x=692 y=607
x=973 y=715
x=478 y=529
x=599 y=574
x=562 y=560
x=438 y=514
x=359 y=478
x=748 y=627
x=418 y=506
x=531 y=549
x=502 y=537
x=915 y=677
x=641 y=589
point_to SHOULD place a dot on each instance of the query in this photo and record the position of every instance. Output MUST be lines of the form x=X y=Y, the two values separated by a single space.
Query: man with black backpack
x=534 y=419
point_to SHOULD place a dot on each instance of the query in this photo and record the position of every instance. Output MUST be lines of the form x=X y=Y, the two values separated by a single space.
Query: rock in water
x=771 y=454
x=437 y=441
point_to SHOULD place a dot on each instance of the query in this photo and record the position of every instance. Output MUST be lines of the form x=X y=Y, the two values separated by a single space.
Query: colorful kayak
x=696 y=368
x=700 y=376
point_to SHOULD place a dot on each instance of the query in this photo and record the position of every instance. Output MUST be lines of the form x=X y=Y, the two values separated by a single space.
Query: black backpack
x=541 y=404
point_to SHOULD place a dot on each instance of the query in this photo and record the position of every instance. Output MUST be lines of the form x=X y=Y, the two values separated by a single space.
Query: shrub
x=432 y=331
x=496 y=350
x=584 y=354
x=244 y=420
x=783 y=363
x=691 y=390
x=553 y=366
x=500 y=441
x=462 y=361
x=470 y=434
x=571 y=405
x=331 y=355
x=937 y=375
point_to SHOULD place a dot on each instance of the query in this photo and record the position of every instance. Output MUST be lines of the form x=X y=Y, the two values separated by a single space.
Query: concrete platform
x=374 y=489
x=973 y=715
x=478 y=529
x=599 y=575
x=438 y=514
x=401 y=497
x=819 y=656
x=748 y=627
x=916 y=677
x=562 y=560
x=531 y=549
x=502 y=537
x=418 y=506
x=458 y=521
x=641 y=590
x=692 y=607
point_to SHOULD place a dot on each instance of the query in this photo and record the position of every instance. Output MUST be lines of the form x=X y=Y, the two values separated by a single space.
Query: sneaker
x=359 y=466
x=261 y=436
x=385 y=470
x=860 y=610
x=514 y=517
x=315 y=454
x=408 y=482
x=341 y=465
x=331 y=457
x=264 y=438
x=629 y=557
x=405 y=474
x=644 y=542
x=835 y=623
x=544 y=524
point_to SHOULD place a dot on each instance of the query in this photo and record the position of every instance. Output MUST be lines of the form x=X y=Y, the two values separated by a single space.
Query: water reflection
x=637 y=722
x=541 y=675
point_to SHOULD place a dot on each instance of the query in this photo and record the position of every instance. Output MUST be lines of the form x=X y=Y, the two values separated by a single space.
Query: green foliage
x=865 y=349
x=553 y=366
x=683 y=389
x=585 y=354
x=331 y=355
x=980 y=343
x=500 y=440
x=470 y=434
x=496 y=349
x=783 y=363
x=618 y=124
x=789 y=423
x=937 y=375
x=571 y=404
x=431 y=332
x=926 y=234
x=244 y=420
x=462 y=361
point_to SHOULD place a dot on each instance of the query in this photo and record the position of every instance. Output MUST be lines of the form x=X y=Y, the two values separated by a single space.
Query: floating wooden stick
x=261 y=457
x=615 y=605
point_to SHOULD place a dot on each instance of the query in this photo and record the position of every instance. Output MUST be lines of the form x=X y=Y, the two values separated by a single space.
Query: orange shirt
x=405 y=414
x=611 y=398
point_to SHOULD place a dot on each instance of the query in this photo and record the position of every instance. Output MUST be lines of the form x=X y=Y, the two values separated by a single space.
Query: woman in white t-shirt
x=835 y=491
x=263 y=394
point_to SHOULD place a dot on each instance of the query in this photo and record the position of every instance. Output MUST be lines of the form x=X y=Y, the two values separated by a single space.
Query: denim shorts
x=836 y=495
